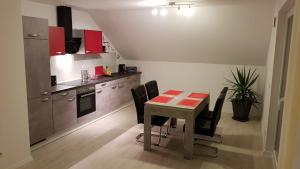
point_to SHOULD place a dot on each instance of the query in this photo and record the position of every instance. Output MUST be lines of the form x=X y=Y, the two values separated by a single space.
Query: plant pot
x=241 y=110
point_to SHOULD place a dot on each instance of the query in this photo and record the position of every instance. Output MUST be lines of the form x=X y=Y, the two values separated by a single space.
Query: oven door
x=86 y=103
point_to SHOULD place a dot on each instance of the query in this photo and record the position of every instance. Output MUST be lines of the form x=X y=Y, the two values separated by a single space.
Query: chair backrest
x=224 y=90
x=218 y=109
x=140 y=98
x=152 y=89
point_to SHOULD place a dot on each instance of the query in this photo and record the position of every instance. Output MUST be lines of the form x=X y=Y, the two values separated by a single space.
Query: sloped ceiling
x=233 y=33
x=220 y=31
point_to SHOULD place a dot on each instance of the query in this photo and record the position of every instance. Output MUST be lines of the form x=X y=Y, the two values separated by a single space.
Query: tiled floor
x=110 y=143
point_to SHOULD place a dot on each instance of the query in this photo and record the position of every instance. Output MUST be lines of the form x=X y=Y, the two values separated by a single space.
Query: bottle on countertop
x=107 y=71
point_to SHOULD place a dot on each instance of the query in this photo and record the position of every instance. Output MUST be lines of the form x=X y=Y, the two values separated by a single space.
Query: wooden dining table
x=176 y=104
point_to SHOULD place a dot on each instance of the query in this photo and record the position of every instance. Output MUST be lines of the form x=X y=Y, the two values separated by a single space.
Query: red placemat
x=173 y=92
x=189 y=102
x=198 y=95
x=161 y=99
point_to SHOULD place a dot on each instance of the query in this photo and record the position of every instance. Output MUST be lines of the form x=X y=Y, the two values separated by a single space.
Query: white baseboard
x=274 y=160
x=272 y=155
x=21 y=163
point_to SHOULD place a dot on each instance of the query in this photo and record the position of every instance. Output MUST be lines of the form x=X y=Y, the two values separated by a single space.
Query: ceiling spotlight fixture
x=163 y=12
x=183 y=8
x=154 y=12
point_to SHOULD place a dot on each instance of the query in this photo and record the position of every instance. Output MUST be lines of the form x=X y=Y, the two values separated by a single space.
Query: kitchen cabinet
x=56 y=40
x=37 y=65
x=64 y=110
x=40 y=119
x=93 y=41
x=135 y=81
x=114 y=97
x=102 y=101
x=38 y=81
x=35 y=28
x=123 y=92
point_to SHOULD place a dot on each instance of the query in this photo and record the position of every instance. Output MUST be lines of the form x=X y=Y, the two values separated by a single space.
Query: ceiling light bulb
x=154 y=11
x=163 y=12
x=188 y=12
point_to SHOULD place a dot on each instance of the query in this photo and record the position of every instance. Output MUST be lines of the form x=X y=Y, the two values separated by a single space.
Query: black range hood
x=64 y=19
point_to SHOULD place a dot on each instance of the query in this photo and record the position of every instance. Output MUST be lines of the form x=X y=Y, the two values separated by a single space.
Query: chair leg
x=215 y=155
x=168 y=128
x=138 y=137
x=217 y=138
x=159 y=136
x=159 y=139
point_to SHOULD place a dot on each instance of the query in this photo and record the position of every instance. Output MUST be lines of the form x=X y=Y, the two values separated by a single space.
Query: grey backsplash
x=68 y=67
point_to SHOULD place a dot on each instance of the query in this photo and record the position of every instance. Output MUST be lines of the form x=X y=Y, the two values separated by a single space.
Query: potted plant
x=243 y=96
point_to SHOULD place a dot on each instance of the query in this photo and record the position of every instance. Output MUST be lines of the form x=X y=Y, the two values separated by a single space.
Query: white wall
x=14 y=132
x=68 y=67
x=193 y=76
x=220 y=32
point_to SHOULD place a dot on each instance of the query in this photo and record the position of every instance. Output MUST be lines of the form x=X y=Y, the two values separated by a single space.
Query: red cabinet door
x=93 y=42
x=56 y=40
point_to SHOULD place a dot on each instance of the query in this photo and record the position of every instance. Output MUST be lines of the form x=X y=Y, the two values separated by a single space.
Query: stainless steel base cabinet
x=102 y=101
x=64 y=110
x=40 y=119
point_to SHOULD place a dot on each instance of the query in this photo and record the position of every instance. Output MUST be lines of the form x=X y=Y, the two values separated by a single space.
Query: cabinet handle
x=1 y=154
x=71 y=99
x=100 y=91
x=114 y=87
x=64 y=94
x=45 y=99
x=87 y=51
x=45 y=93
x=58 y=52
x=85 y=95
x=33 y=35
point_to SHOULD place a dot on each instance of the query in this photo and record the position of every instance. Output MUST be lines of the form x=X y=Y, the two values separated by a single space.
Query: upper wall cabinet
x=56 y=41
x=34 y=28
x=91 y=41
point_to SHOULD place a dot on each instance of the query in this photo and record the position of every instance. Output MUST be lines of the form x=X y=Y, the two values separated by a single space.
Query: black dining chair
x=206 y=126
x=206 y=114
x=152 y=89
x=140 y=98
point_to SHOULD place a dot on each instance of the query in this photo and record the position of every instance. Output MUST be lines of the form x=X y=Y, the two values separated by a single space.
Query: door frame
x=281 y=99
x=290 y=151
x=281 y=32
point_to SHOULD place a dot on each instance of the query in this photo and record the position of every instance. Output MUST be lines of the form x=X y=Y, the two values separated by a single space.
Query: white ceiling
x=236 y=33
x=135 y=4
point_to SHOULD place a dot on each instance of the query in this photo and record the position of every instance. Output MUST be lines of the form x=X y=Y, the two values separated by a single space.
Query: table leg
x=189 y=137
x=147 y=130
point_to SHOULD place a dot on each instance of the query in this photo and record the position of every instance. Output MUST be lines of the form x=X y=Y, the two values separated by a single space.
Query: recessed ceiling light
x=163 y=12
x=154 y=11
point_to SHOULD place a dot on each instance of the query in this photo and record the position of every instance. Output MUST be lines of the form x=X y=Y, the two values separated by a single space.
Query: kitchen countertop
x=78 y=83
x=60 y=88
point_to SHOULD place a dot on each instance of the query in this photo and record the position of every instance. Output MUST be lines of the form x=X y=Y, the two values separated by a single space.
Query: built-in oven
x=86 y=100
